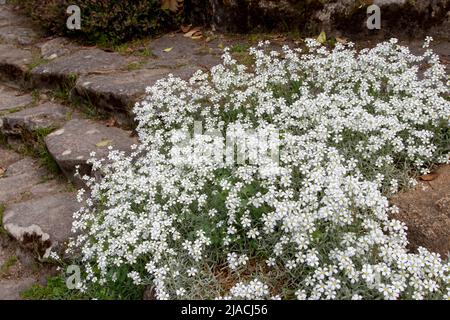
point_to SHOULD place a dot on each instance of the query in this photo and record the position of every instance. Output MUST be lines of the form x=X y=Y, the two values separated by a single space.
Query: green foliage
x=55 y=289
x=4 y=268
x=103 y=21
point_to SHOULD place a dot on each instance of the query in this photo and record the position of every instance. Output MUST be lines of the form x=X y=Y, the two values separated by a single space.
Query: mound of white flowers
x=313 y=222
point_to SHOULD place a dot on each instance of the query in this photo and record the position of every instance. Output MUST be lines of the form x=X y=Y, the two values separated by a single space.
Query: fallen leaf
x=341 y=40
x=192 y=32
x=322 y=38
x=103 y=143
x=2 y=171
x=111 y=122
x=196 y=37
x=167 y=49
x=429 y=177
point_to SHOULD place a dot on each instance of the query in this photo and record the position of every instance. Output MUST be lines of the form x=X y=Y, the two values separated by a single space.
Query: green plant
x=4 y=269
x=102 y=21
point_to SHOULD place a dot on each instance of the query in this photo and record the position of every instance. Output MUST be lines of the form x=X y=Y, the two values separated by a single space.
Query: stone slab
x=85 y=61
x=71 y=145
x=45 y=220
x=47 y=115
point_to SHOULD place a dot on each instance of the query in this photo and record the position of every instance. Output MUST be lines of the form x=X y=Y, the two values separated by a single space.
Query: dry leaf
x=167 y=49
x=103 y=143
x=196 y=37
x=2 y=171
x=322 y=38
x=341 y=40
x=111 y=122
x=192 y=32
x=429 y=177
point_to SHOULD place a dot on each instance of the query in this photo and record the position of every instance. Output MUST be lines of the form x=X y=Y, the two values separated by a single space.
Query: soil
x=426 y=212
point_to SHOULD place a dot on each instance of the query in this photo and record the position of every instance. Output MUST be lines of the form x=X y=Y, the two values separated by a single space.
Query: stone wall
x=311 y=16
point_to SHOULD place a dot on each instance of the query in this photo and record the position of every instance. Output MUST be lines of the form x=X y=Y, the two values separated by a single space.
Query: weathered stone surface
x=47 y=115
x=82 y=62
x=184 y=51
x=10 y=18
x=7 y=157
x=45 y=221
x=11 y=289
x=71 y=145
x=309 y=17
x=426 y=212
x=13 y=100
x=23 y=179
x=118 y=91
x=55 y=48
x=14 y=63
x=18 y=35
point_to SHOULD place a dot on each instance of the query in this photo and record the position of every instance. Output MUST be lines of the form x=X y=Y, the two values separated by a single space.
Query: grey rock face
x=63 y=69
x=45 y=221
x=14 y=63
x=47 y=115
x=19 y=35
x=11 y=289
x=117 y=92
x=183 y=51
x=71 y=145
x=12 y=100
x=309 y=17
x=20 y=180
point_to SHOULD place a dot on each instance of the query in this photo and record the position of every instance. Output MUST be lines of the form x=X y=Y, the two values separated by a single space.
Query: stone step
x=12 y=100
x=117 y=93
x=47 y=115
x=25 y=179
x=43 y=222
x=14 y=64
x=16 y=29
x=72 y=145
x=65 y=69
x=12 y=289
x=38 y=210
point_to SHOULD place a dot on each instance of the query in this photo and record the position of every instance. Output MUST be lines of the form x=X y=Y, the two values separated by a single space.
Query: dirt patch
x=426 y=211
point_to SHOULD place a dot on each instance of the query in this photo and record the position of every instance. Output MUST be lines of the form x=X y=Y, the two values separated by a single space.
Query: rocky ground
x=59 y=101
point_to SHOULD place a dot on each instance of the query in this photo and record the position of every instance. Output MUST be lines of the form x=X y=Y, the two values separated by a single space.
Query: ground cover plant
x=188 y=221
x=104 y=22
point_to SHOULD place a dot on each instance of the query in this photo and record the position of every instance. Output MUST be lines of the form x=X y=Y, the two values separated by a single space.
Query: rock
x=399 y=17
x=12 y=100
x=55 y=48
x=14 y=63
x=10 y=18
x=18 y=35
x=71 y=145
x=44 y=221
x=184 y=51
x=47 y=115
x=117 y=92
x=65 y=69
x=7 y=157
x=425 y=210
x=11 y=289
x=23 y=180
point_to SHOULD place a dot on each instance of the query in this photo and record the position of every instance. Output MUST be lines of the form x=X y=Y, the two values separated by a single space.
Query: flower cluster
x=313 y=225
